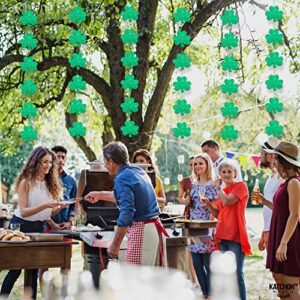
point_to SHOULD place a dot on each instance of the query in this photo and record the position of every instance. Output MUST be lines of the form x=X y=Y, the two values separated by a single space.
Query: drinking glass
x=15 y=226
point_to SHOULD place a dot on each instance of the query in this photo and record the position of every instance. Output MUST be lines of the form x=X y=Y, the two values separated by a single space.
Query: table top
x=33 y=244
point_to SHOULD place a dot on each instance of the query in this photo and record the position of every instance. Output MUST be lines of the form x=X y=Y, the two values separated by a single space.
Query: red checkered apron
x=135 y=237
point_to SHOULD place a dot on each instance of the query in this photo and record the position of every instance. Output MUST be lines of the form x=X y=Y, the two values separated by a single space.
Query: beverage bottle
x=255 y=193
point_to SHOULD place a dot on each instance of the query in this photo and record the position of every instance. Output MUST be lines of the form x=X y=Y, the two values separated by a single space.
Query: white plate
x=15 y=242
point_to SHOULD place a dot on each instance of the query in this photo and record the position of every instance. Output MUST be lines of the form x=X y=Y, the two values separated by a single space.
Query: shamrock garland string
x=129 y=38
x=181 y=62
x=77 y=61
x=29 y=111
x=229 y=65
x=274 y=60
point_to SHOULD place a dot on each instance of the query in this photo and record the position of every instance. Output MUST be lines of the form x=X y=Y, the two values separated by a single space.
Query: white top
x=37 y=195
x=270 y=189
x=217 y=163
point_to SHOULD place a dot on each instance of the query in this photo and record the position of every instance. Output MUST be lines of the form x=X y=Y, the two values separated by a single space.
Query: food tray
x=51 y=237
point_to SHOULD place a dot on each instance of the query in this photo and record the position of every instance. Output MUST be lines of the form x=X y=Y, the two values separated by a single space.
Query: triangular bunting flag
x=229 y=154
x=243 y=160
x=256 y=159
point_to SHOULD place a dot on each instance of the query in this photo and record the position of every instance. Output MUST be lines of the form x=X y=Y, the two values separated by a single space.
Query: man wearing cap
x=270 y=188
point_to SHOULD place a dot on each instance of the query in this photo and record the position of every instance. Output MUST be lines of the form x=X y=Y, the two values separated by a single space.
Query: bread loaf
x=18 y=233
x=7 y=237
x=16 y=238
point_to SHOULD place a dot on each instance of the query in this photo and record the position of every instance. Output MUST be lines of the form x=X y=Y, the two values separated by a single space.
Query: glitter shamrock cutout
x=182 y=84
x=229 y=17
x=274 y=83
x=77 y=61
x=28 y=65
x=274 y=128
x=77 y=130
x=182 y=61
x=29 y=41
x=28 y=88
x=28 y=18
x=274 y=106
x=77 y=38
x=129 y=83
x=77 y=84
x=274 y=14
x=28 y=133
x=229 y=87
x=29 y=110
x=129 y=129
x=130 y=60
x=181 y=15
x=130 y=37
x=274 y=37
x=182 y=107
x=274 y=59
x=77 y=107
x=182 y=38
x=129 y=13
x=182 y=130
x=129 y=106
x=229 y=110
x=229 y=133
x=77 y=15
x=229 y=64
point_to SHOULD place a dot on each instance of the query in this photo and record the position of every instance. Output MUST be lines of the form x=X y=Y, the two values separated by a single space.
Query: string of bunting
x=181 y=62
x=229 y=65
x=77 y=61
x=28 y=66
x=129 y=61
x=274 y=60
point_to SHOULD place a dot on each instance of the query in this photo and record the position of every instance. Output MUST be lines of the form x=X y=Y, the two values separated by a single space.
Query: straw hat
x=268 y=143
x=289 y=152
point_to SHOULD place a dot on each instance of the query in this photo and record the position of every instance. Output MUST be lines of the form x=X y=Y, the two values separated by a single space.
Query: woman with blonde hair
x=143 y=156
x=38 y=190
x=202 y=187
x=284 y=238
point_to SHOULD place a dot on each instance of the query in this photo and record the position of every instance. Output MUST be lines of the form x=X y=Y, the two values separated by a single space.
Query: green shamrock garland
x=129 y=106
x=77 y=61
x=28 y=133
x=77 y=130
x=275 y=129
x=28 y=88
x=182 y=130
x=29 y=110
x=130 y=60
x=229 y=66
x=181 y=62
x=274 y=60
x=274 y=106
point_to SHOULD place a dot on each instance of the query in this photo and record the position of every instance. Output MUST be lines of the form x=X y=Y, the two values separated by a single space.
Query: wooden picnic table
x=34 y=255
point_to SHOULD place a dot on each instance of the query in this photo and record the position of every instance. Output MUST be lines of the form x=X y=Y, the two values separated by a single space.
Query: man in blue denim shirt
x=65 y=218
x=134 y=193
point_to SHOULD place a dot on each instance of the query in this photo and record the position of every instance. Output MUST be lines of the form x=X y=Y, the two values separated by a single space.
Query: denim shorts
x=29 y=226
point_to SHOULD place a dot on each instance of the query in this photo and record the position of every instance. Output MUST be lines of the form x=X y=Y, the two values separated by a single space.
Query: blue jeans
x=13 y=275
x=201 y=266
x=240 y=257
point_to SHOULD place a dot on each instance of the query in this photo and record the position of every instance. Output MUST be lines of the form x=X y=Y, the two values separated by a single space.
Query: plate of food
x=13 y=236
